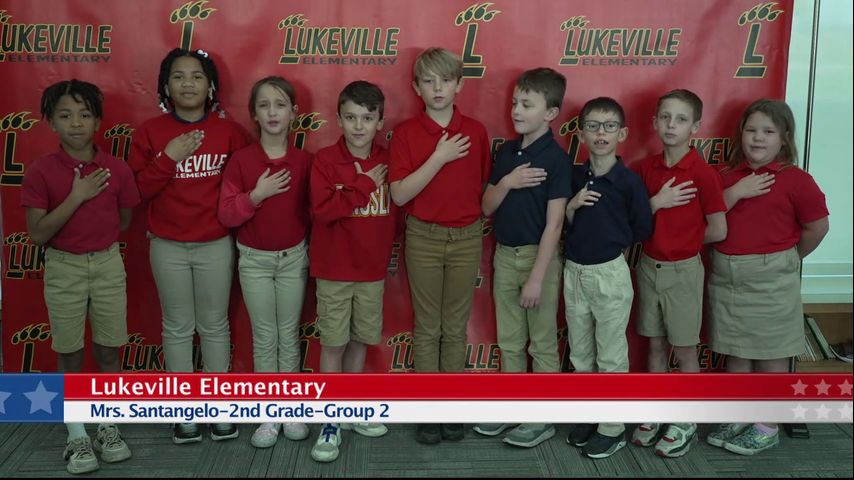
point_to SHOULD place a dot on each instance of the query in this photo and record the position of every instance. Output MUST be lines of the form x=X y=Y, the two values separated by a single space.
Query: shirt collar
x=685 y=163
x=67 y=160
x=181 y=120
x=774 y=166
x=613 y=174
x=537 y=146
x=347 y=157
x=434 y=128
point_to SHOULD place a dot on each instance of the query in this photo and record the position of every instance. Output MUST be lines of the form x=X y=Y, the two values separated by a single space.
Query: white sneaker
x=109 y=442
x=296 y=431
x=372 y=430
x=326 y=447
x=265 y=435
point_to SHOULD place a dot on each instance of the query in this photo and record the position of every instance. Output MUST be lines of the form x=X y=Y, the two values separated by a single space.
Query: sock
x=76 y=430
x=765 y=429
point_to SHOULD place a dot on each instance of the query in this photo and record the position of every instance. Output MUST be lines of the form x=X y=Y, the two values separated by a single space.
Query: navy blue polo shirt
x=521 y=217
x=621 y=217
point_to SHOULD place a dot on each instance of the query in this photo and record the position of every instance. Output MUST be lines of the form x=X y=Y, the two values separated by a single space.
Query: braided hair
x=208 y=67
x=82 y=92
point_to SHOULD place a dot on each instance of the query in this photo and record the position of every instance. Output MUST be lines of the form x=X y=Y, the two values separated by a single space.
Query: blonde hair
x=440 y=61
x=782 y=117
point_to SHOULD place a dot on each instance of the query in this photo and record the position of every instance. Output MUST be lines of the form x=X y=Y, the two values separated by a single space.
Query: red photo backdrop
x=729 y=53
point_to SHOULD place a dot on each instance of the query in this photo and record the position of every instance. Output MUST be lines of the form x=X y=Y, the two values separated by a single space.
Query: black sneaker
x=580 y=434
x=603 y=446
x=428 y=433
x=452 y=431
x=223 y=431
x=186 y=433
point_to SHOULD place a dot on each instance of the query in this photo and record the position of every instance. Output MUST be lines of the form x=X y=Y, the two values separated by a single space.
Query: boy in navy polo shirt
x=77 y=201
x=528 y=192
x=608 y=213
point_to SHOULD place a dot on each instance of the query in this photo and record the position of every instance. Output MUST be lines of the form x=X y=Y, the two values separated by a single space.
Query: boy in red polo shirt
x=439 y=164
x=351 y=240
x=78 y=199
x=688 y=211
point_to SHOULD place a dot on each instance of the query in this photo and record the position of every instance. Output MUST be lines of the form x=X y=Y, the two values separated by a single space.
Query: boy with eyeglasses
x=689 y=211
x=609 y=212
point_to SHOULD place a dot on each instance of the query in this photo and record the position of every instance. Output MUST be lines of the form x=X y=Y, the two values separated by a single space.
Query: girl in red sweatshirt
x=178 y=159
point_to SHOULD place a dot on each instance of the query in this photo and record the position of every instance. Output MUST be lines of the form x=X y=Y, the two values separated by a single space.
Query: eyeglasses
x=593 y=126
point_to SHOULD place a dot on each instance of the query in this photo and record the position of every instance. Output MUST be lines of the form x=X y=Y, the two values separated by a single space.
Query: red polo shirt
x=94 y=225
x=182 y=197
x=279 y=222
x=772 y=222
x=353 y=220
x=678 y=231
x=452 y=198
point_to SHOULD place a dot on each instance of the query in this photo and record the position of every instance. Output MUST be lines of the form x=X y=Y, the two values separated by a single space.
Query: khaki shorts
x=93 y=282
x=755 y=305
x=349 y=311
x=670 y=299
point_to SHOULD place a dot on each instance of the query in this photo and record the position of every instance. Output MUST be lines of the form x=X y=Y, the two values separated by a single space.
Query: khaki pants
x=93 y=282
x=515 y=325
x=193 y=282
x=273 y=285
x=598 y=302
x=442 y=264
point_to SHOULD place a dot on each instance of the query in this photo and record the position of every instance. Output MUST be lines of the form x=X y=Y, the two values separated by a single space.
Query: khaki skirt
x=755 y=306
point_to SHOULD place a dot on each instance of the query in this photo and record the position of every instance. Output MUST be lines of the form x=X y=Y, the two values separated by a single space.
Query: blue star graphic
x=40 y=399
x=3 y=397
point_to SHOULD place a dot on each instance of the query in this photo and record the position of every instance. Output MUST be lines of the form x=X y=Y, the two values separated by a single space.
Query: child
x=78 y=199
x=439 y=162
x=178 y=159
x=265 y=196
x=354 y=228
x=528 y=192
x=608 y=213
x=688 y=211
x=777 y=216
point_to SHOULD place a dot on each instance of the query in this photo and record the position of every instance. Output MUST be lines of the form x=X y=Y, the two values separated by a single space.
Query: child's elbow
x=718 y=234
x=396 y=196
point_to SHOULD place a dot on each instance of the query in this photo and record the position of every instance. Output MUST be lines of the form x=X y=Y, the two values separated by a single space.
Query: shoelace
x=81 y=447
x=111 y=437
x=328 y=432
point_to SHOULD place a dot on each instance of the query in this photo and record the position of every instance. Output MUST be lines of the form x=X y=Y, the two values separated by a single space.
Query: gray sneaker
x=109 y=443
x=492 y=429
x=725 y=433
x=80 y=457
x=530 y=434
x=751 y=441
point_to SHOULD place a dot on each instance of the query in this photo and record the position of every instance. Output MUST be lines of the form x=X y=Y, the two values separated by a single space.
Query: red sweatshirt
x=183 y=196
x=353 y=220
x=277 y=223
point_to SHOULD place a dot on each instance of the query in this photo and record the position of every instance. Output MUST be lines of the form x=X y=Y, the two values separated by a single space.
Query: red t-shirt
x=772 y=222
x=678 y=231
x=452 y=197
x=279 y=222
x=183 y=196
x=94 y=225
x=353 y=220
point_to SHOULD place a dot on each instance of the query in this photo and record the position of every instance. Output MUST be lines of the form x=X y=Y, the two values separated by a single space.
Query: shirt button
x=657 y=265
x=519 y=153
x=590 y=182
